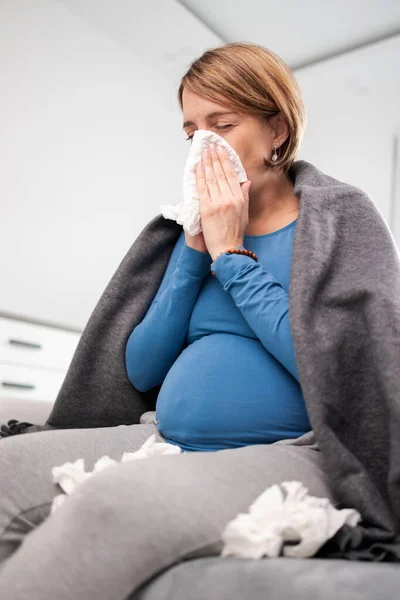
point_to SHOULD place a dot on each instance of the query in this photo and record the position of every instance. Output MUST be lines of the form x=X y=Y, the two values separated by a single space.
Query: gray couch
x=216 y=578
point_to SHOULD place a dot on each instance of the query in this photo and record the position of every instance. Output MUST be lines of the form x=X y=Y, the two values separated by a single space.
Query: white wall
x=352 y=116
x=90 y=146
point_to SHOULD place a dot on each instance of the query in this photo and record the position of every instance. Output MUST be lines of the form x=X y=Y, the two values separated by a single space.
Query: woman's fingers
x=223 y=184
x=210 y=176
x=201 y=183
x=230 y=173
x=216 y=176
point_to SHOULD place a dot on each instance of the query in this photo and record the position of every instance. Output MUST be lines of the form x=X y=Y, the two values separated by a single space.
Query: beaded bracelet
x=235 y=251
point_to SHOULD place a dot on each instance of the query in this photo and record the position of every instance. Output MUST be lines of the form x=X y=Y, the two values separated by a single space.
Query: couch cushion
x=231 y=578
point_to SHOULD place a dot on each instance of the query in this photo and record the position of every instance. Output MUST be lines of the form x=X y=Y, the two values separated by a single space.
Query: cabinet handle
x=25 y=386
x=26 y=344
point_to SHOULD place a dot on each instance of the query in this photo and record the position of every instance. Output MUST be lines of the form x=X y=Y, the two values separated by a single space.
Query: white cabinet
x=34 y=359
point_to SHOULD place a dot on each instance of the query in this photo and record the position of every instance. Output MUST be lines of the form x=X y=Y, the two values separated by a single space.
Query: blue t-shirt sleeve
x=263 y=303
x=156 y=342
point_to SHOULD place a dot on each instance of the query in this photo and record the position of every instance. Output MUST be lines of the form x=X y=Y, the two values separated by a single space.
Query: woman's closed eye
x=216 y=127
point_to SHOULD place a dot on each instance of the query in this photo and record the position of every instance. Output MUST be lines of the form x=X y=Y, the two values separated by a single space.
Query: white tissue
x=273 y=520
x=70 y=475
x=187 y=212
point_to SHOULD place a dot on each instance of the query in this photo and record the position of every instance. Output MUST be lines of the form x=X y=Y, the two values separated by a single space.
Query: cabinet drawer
x=38 y=345
x=29 y=383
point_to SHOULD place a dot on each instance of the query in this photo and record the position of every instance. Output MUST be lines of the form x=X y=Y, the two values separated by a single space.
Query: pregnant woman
x=217 y=339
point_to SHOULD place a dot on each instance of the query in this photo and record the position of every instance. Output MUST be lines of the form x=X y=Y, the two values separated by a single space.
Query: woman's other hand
x=196 y=242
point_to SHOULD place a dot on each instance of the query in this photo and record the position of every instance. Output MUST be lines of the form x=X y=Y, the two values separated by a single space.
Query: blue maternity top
x=222 y=348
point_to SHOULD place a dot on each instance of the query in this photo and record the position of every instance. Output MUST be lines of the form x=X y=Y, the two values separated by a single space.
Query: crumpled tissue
x=187 y=211
x=70 y=475
x=285 y=515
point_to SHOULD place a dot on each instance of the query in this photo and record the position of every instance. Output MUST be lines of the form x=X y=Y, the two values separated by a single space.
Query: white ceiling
x=169 y=34
x=300 y=31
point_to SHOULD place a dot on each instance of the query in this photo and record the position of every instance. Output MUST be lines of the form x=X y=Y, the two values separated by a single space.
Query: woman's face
x=251 y=137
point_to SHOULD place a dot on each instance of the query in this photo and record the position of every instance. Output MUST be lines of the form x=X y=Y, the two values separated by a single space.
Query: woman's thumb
x=245 y=189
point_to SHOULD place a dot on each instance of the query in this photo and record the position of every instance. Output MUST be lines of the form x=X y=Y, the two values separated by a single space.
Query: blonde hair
x=253 y=80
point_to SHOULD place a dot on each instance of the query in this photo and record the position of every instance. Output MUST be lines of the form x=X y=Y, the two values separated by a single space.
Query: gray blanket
x=344 y=306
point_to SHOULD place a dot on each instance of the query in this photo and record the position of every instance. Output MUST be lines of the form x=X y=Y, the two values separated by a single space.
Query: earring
x=275 y=155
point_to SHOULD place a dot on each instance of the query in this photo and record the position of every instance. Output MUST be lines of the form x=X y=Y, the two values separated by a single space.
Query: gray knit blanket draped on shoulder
x=344 y=307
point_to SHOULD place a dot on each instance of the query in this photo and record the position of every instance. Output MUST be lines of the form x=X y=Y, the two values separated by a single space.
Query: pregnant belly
x=227 y=391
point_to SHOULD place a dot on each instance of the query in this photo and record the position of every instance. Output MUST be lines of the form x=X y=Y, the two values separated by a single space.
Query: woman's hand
x=224 y=202
x=196 y=241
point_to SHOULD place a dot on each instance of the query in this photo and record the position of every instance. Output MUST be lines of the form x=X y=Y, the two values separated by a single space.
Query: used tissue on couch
x=285 y=513
x=70 y=475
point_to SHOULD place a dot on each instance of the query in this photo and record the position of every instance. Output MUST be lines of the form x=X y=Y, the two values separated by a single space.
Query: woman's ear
x=281 y=129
